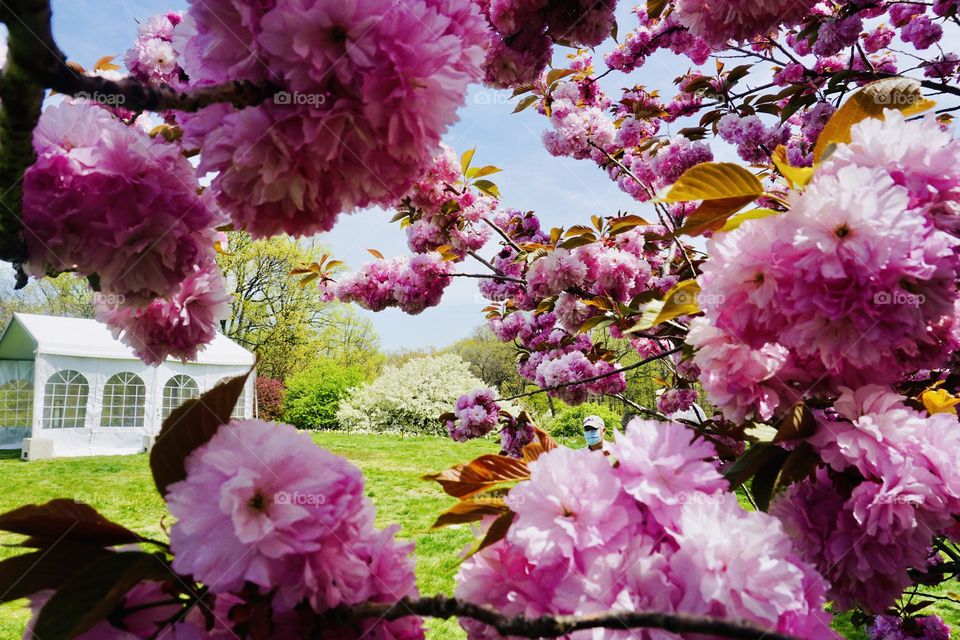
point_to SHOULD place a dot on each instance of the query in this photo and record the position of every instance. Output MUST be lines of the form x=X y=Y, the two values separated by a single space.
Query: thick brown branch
x=554 y=626
x=130 y=93
x=21 y=97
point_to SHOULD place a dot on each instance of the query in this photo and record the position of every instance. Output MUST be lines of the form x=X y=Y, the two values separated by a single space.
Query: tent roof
x=89 y=338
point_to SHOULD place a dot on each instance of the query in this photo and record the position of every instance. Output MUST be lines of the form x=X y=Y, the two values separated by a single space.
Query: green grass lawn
x=121 y=488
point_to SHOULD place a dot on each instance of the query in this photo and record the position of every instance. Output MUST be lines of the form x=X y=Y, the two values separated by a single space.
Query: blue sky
x=560 y=190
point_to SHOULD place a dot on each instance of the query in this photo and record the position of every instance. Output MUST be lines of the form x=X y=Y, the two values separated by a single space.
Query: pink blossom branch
x=554 y=626
x=601 y=376
x=36 y=63
x=484 y=276
x=503 y=234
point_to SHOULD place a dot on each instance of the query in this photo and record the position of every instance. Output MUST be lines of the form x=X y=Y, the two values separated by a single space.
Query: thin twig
x=483 y=276
x=631 y=367
x=503 y=234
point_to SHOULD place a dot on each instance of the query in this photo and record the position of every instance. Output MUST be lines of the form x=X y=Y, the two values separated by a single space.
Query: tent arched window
x=238 y=410
x=65 y=400
x=178 y=390
x=124 y=401
x=16 y=403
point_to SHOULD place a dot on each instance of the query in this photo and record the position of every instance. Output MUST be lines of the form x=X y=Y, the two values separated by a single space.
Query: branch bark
x=554 y=626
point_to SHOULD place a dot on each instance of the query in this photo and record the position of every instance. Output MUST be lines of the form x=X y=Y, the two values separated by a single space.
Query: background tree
x=286 y=324
x=65 y=295
x=491 y=360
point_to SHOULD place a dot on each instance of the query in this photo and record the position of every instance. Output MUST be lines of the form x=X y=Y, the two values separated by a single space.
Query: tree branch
x=631 y=367
x=483 y=276
x=553 y=626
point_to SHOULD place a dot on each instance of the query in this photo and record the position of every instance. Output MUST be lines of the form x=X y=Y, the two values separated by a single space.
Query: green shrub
x=314 y=394
x=569 y=421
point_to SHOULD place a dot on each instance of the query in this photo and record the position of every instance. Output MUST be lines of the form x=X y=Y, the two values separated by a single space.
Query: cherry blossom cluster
x=153 y=57
x=107 y=201
x=920 y=628
x=556 y=359
x=359 y=112
x=524 y=32
x=521 y=228
x=891 y=484
x=268 y=522
x=443 y=212
x=718 y=22
x=641 y=536
x=178 y=325
x=262 y=504
x=855 y=284
x=410 y=283
x=478 y=413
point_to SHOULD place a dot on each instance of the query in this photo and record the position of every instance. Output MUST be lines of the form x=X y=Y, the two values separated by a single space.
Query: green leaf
x=799 y=423
x=765 y=478
x=526 y=102
x=655 y=8
x=556 y=74
x=65 y=520
x=796 y=176
x=734 y=222
x=714 y=181
x=681 y=300
x=488 y=170
x=191 y=425
x=750 y=462
x=902 y=94
x=800 y=464
x=466 y=158
x=488 y=188
x=596 y=322
x=90 y=596
x=28 y=573
x=712 y=215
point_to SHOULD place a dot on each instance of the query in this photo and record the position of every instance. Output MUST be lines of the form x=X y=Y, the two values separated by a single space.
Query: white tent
x=69 y=388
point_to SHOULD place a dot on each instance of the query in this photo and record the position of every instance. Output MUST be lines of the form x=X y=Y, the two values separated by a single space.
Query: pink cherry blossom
x=179 y=325
x=719 y=21
x=410 y=283
x=360 y=113
x=476 y=414
x=104 y=199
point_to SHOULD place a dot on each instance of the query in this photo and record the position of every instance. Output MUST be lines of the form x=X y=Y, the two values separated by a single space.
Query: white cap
x=593 y=422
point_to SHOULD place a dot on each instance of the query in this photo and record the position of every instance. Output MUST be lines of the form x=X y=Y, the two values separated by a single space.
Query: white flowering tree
x=409 y=397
